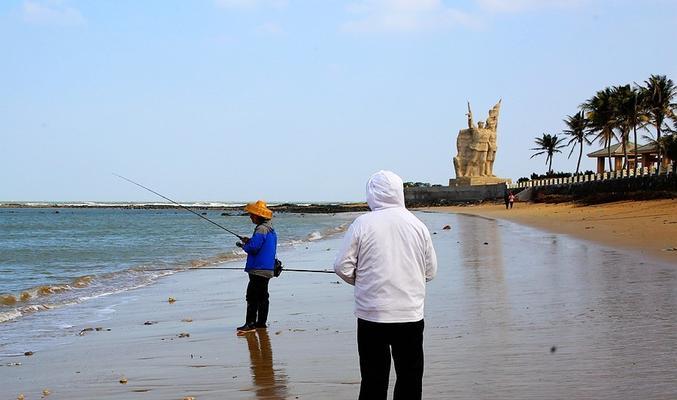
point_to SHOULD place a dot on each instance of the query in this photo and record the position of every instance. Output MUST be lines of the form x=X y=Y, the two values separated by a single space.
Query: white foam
x=10 y=315
x=315 y=236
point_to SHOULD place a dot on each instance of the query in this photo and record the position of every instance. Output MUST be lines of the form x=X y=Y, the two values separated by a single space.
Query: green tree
x=577 y=130
x=601 y=118
x=623 y=101
x=668 y=145
x=658 y=95
x=548 y=144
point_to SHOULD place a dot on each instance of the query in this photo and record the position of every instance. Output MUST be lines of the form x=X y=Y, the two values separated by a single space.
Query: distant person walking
x=506 y=198
x=387 y=254
x=261 y=249
x=511 y=199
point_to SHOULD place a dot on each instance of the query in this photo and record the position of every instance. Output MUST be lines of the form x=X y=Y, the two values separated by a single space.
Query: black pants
x=374 y=343
x=257 y=299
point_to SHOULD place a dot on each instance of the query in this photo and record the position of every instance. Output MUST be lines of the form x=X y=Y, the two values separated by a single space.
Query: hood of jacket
x=385 y=190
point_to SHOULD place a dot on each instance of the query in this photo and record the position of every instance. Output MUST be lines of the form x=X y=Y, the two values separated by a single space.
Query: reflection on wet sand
x=268 y=383
x=533 y=315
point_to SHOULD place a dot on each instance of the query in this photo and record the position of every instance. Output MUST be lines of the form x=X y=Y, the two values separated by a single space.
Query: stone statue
x=476 y=146
x=492 y=125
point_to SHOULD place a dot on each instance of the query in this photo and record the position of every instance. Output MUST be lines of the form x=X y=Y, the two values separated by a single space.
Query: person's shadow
x=268 y=383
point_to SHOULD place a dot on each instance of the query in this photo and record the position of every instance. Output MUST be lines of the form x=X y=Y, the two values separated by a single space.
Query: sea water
x=52 y=259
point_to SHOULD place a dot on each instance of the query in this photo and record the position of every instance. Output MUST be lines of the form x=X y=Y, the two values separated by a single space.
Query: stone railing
x=620 y=174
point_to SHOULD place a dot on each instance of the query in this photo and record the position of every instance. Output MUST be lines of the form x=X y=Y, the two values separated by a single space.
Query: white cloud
x=249 y=4
x=513 y=6
x=406 y=16
x=51 y=12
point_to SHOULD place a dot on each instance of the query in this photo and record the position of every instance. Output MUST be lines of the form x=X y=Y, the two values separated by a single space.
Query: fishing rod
x=214 y=223
x=182 y=206
x=322 y=271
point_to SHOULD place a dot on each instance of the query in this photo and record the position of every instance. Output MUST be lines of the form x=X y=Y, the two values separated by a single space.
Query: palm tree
x=668 y=145
x=548 y=144
x=639 y=116
x=601 y=119
x=623 y=102
x=659 y=92
x=577 y=129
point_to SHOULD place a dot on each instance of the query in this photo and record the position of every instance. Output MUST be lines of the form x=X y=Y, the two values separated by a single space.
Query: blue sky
x=235 y=100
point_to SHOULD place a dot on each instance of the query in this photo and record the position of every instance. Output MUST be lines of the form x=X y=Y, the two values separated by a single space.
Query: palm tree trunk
x=580 y=154
x=658 y=145
x=608 y=143
x=625 y=152
x=634 y=130
x=550 y=165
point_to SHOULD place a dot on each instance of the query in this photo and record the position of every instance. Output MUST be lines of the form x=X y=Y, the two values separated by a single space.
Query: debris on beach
x=46 y=393
x=14 y=364
x=123 y=380
x=486 y=243
x=187 y=320
x=28 y=353
x=171 y=300
x=278 y=332
x=183 y=335
x=21 y=397
x=446 y=227
x=553 y=349
x=670 y=249
x=150 y=323
x=335 y=282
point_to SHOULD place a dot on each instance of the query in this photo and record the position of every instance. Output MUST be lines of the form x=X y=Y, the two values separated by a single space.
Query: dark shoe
x=246 y=328
x=260 y=325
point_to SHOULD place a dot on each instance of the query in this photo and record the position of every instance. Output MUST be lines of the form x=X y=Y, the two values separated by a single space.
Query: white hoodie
x=388 y=255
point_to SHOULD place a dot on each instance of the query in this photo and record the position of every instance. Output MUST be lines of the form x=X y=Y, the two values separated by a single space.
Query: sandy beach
x=514 y=313
x=646 y=227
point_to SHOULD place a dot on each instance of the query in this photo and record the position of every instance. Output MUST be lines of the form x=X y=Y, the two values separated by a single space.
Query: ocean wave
x=87 y=287
x=314 y=236
x=318 y=235
x=9 y=315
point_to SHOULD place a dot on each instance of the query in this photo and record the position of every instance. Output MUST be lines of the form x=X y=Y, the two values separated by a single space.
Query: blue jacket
x=261 y=248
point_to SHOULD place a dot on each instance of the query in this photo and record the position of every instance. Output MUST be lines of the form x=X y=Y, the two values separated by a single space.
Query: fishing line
x=212 y=222
x=181 y=205
x=323 y=271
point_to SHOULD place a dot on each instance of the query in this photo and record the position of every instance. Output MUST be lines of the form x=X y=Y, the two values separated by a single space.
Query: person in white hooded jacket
x=387 y=254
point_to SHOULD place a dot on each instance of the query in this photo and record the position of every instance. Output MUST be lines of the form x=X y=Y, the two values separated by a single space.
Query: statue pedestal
x=478 y=180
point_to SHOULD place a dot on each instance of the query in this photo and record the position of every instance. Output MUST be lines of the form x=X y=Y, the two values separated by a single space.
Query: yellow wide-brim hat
x=259 y=208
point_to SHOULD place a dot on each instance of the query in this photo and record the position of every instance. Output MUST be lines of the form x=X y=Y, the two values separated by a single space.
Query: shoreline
x=648 y=227
x=497 y=325
x=308 y=208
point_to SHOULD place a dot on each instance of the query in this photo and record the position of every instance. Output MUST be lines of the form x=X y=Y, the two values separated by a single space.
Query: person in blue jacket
x=261 y=250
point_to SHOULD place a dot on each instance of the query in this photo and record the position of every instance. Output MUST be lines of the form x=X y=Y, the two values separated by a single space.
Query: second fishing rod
x=243 y=239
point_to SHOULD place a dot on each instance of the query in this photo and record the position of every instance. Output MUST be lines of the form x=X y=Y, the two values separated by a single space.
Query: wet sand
x=514 y=313
x=647 y=227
